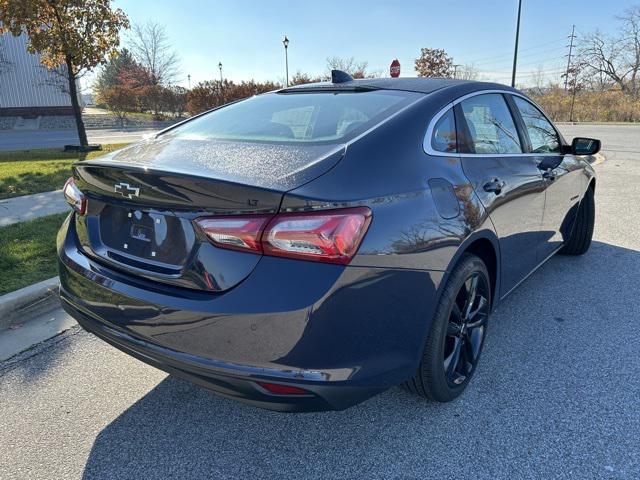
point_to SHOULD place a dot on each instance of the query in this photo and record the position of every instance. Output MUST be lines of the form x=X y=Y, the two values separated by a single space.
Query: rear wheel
x=457 y=334
x=580 y=239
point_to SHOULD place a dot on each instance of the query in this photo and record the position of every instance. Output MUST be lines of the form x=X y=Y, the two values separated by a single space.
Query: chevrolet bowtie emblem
x=126 y=190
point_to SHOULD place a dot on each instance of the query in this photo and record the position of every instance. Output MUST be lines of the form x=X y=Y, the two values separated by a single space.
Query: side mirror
x=585 y=146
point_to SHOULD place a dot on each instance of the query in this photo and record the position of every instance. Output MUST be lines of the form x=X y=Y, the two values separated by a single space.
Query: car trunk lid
x=142 y=206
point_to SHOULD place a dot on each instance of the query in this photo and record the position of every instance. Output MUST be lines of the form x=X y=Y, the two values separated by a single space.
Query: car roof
x=409 y=84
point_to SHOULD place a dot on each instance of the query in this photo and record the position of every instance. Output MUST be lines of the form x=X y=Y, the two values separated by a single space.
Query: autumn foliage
x=434 y=62
x=210 y=94
x=79 y=34
x=590 y=106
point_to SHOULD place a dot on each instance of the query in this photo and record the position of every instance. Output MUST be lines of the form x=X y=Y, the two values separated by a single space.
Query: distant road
x=29 y=139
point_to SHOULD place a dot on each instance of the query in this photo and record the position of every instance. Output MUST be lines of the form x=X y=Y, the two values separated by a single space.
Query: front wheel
x=454 y=344
x=580 y=239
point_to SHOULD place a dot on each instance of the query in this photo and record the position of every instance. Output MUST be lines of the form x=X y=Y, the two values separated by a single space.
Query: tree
x=573 y=75
x=80 y=34
x=468 y=71
x=110 y=75
x=210 y=94
x=175 y=100
x=120 y=100
x=151 y=48
x=302 y=78
x=351 y=66
x=615 y=58
x=538 y=79
x=151 y=99
x=434 y=62
x=204 y=96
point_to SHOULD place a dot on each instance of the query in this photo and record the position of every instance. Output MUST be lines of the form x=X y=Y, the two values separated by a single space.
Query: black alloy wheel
x=456 y=337
x=466 y=329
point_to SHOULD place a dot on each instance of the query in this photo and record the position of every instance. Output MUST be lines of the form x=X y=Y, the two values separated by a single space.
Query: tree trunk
x=77 y=111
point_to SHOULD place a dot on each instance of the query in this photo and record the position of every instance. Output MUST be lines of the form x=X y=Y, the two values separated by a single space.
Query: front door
x=562 y=175
x=508 y=183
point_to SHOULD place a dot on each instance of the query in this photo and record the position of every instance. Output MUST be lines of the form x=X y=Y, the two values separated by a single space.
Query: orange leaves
x=85 y=32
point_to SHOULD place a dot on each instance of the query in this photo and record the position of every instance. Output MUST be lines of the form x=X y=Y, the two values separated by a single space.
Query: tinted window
x=296 y=117
x=490 y=124
x=542 y=135
x=444 y=134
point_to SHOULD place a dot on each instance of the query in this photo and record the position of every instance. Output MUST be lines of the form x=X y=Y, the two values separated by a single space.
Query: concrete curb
x=28 y=302
x=599 y=158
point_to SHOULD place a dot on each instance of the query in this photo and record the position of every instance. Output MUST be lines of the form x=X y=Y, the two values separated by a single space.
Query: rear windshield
x=296 y=117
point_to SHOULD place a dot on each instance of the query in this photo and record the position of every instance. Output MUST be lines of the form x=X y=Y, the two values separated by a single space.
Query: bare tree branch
x=351 y=66
x=614 y=59
x=151 y=47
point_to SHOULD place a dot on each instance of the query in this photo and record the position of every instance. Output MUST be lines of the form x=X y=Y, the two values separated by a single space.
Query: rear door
x=563 y=180
x=509 y=184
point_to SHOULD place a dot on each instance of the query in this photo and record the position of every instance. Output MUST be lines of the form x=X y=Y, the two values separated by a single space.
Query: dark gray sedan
x=308 y=248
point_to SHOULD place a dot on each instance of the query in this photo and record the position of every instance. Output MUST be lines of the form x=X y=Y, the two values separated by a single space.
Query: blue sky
x=246 y=36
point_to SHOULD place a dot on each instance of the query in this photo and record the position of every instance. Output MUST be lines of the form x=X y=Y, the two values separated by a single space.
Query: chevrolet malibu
x=311 y=247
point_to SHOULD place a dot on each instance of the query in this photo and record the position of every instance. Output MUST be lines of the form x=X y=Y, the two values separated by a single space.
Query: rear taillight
x=237 y=233
x=331 y=236
x=75 y=197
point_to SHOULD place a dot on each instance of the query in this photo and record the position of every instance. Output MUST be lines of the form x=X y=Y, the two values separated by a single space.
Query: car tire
x=438 y=377
x=580 y=239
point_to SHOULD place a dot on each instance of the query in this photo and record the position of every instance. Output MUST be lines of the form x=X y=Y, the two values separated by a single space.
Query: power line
x=533 y=47
x=528 y=55
x=547 y=68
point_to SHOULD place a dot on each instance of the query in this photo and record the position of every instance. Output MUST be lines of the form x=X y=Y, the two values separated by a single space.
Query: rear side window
x=542 y=135
x=491 y=126
x=444 y=134
x=296 y=117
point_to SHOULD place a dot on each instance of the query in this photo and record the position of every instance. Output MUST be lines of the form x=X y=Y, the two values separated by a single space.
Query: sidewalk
x=27 y=207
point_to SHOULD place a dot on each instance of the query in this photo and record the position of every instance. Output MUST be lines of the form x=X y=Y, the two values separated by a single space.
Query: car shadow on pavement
x=552 y=394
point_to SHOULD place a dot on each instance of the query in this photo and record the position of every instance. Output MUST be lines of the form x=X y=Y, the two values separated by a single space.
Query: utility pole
x=220 y=67
x=515 y=52
x=455 y=69
x=573 y=93
x=285 y=42
x=566 y=76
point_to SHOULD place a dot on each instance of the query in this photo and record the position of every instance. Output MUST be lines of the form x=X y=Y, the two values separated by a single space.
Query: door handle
x=494 y=185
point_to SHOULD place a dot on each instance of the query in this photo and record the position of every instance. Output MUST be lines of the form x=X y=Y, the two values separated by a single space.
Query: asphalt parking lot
x=556 y=394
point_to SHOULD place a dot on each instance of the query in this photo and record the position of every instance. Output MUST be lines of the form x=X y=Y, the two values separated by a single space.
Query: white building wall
x=24 y=82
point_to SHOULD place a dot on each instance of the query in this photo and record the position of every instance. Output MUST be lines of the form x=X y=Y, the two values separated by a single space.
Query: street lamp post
x=189 y=80
x=220 y=67
x=515 y=52
x=285 y=42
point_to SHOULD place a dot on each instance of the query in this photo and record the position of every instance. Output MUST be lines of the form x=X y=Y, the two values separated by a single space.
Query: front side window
x=491 y=127
x=542 y=135
x=296 y=117
x=444 y=134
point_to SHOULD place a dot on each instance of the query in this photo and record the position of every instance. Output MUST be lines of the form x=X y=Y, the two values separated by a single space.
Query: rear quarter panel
x=388 y=171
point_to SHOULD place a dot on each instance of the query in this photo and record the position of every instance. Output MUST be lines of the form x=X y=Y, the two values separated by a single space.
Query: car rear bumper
x=341 y=333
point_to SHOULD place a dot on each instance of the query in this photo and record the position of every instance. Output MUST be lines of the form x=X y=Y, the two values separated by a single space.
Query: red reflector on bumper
x=279 y=389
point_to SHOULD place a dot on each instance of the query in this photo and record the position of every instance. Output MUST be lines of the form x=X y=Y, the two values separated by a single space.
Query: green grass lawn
x=28 y=252
x=35 y=171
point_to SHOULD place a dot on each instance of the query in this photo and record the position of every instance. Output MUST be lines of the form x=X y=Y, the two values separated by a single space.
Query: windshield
x=296 y=117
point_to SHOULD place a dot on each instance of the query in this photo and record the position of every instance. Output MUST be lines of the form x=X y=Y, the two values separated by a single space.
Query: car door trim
x=532 y=271
x=429 y=150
